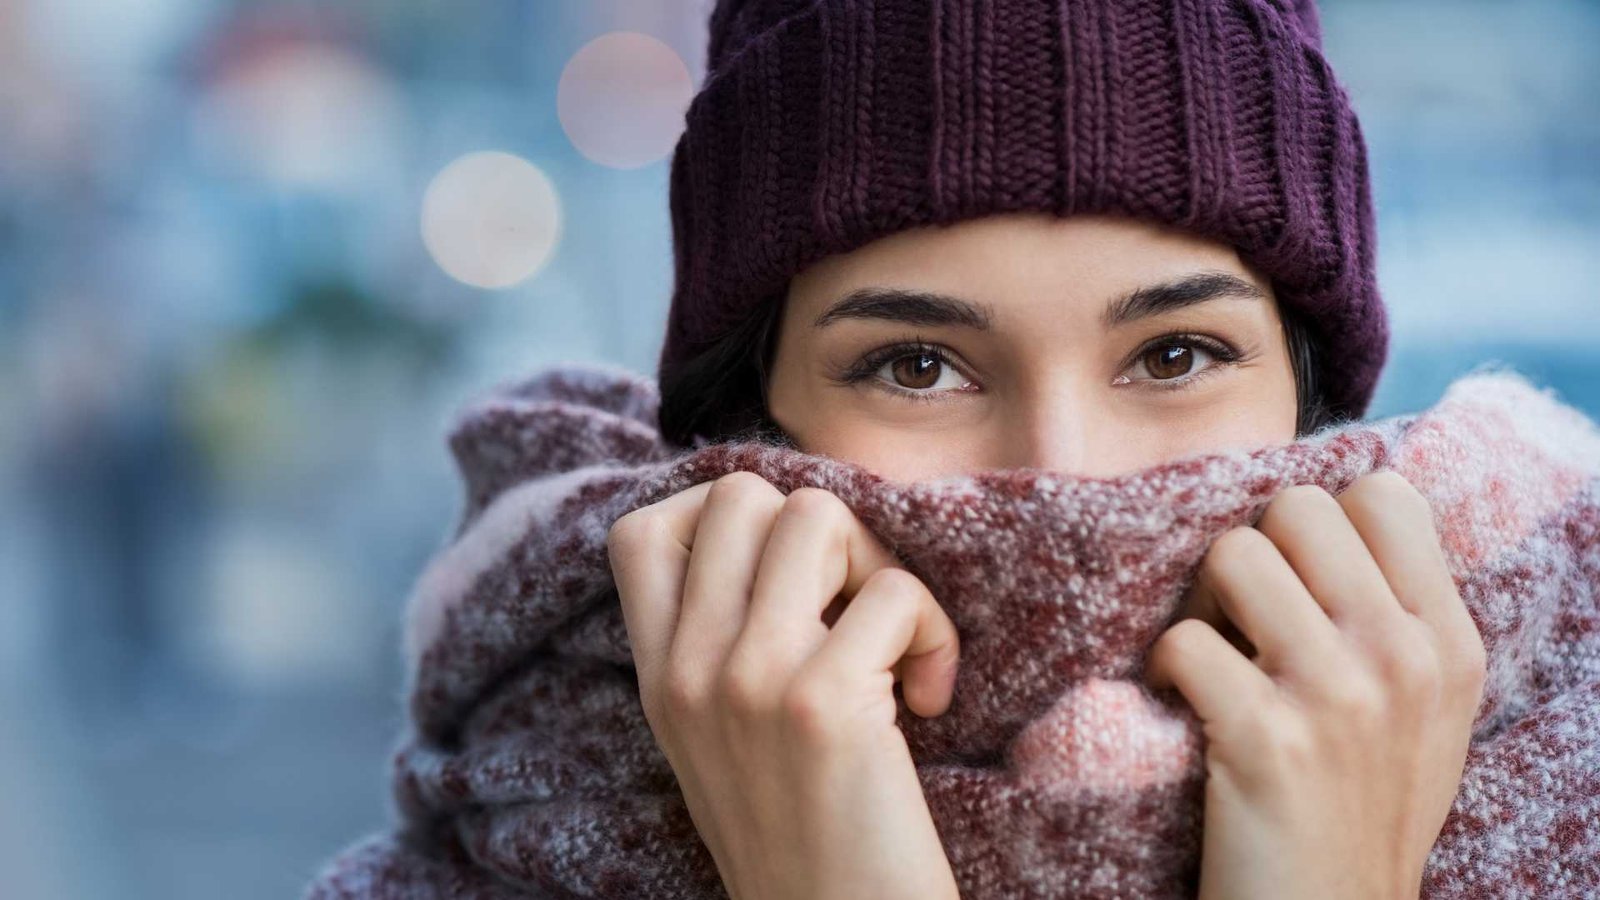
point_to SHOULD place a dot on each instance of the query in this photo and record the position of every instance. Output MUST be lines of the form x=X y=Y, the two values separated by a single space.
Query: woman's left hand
x=1335 y=751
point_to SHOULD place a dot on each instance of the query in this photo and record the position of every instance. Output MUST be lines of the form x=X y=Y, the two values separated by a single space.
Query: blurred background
x=252 y=254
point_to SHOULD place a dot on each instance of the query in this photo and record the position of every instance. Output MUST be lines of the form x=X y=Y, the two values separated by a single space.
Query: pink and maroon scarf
x=527 y=768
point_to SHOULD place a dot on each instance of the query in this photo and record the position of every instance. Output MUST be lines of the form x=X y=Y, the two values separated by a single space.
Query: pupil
x=1170 y=361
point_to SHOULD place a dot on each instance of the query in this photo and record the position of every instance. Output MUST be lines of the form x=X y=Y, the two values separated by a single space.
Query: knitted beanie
x=825 y=124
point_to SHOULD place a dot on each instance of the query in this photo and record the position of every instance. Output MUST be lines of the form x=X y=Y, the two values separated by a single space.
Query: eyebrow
x=1167 y=296
x=908 y=305
x=930 y=308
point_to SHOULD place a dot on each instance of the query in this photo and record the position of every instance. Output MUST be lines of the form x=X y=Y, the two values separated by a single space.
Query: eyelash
x=866 y=369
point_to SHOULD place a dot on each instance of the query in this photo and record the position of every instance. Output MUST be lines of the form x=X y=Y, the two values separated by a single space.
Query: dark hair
x=719 y=394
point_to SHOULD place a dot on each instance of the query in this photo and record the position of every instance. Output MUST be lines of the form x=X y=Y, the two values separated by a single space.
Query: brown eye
x=913 y=371
x=917 y=371
x=1168 y=360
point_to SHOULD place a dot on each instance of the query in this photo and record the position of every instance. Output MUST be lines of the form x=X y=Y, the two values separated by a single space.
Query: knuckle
x=628 y=530
x=739 y=485
x=741 y=689
x=1287 y=748
x=682 y=696
x=1181 y=635
x=1176 y=647
x=1303 y=495
x=1387 y=490
x=807 y=707
x=1296 y=501
x=1267 y=739
x=1410 y=664
x=653 y=704
x=1235 y=546
x=895 y=585
x=1354 y=699
x=1391 y=485
x=809 y=501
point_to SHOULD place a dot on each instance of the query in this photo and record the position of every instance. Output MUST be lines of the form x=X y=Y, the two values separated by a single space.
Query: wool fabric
x=824 y=124
x=527 y=769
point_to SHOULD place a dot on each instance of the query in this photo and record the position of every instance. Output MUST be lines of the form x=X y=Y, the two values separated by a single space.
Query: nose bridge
x=1055 y=427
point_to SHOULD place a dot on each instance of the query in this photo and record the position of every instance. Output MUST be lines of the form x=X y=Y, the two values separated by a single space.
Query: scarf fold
x=526 y=768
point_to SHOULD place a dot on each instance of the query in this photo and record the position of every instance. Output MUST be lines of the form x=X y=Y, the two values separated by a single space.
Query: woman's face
x=1087 y=344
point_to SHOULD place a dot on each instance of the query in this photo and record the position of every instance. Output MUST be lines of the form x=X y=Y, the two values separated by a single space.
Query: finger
x=1396 y=524
x=818 y=550
x=893 y=621
x=1209 y=672
x=1311 y=530
x=1201 y=602
x=729 y=540
x=649 y=550
x=1245 y=583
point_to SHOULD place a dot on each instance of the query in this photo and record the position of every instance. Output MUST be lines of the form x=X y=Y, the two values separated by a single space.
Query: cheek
x=1240 y=429
x=1262 y=416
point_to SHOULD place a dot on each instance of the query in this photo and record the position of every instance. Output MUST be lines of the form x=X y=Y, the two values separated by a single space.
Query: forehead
x=1024 y=263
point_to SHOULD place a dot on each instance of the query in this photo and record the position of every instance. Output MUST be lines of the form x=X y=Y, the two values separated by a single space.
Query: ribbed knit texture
x=824 y=124
x=527 y=769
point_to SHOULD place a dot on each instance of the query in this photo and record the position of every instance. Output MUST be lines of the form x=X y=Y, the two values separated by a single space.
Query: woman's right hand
x=775 y=710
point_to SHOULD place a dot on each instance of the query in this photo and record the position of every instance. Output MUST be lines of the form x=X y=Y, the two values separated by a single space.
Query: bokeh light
x=302 y=113
x=490 y=219
x=622 y=99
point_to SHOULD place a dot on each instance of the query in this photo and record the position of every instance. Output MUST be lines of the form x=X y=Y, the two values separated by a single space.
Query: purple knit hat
x=825 y=124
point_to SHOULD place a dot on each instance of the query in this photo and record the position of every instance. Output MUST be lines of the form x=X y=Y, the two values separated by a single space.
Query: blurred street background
x=241 y=291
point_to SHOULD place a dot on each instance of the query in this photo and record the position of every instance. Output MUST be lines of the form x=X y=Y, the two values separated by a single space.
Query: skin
x=1325 y=648
x=1039 y=387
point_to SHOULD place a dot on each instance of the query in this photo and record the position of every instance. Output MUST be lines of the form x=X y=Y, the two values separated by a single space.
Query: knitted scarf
x=527 y=768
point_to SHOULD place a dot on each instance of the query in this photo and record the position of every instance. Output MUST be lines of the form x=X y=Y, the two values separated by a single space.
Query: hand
x=1335 y=751
x=774 y=706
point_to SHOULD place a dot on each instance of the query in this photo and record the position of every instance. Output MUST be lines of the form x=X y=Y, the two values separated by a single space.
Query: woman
x=1046 y=299
x=1090 y=236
